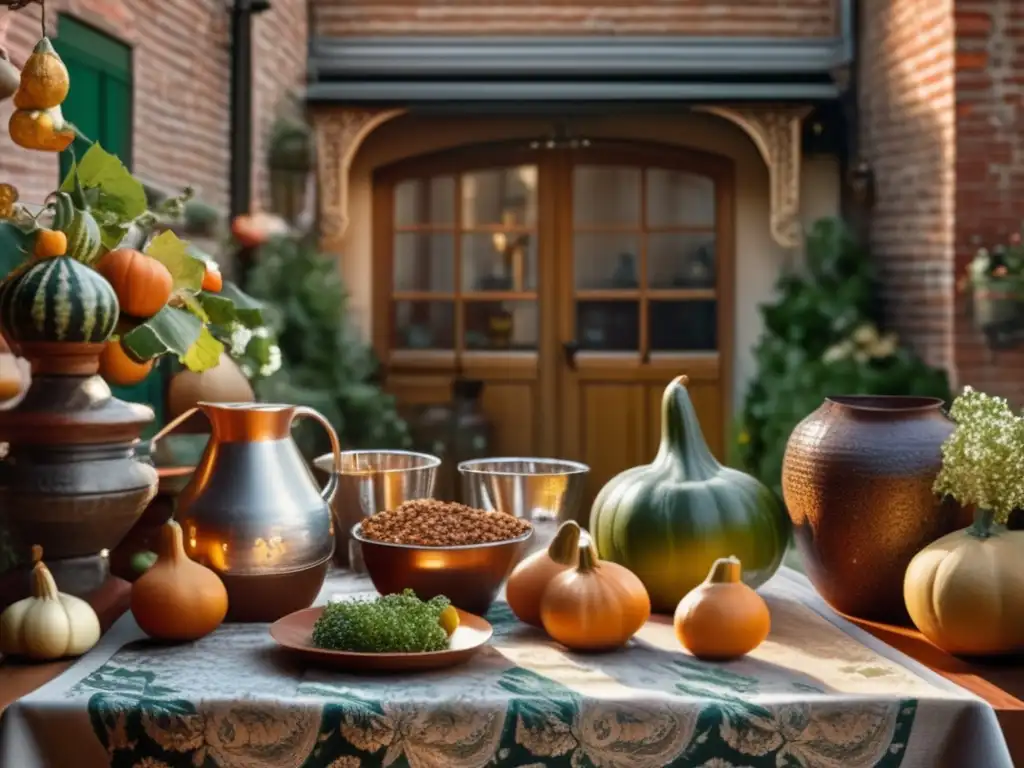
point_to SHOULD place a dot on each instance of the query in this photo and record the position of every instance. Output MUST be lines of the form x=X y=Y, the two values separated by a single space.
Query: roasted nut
x=435 y=523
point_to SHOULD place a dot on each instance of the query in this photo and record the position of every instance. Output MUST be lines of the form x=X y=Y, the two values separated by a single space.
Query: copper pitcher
x=253 y=511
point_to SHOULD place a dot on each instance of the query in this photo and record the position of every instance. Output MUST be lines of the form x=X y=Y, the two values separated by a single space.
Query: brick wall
x=811 y=18
x=989 y=165
x=908 y=136
x=182 y=93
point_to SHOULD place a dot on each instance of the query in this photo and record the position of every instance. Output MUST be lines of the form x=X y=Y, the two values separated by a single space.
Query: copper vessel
x=857 y=479
x=253 y=512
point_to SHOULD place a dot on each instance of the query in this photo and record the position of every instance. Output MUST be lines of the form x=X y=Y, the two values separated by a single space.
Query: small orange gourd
x=213 y=280
x=44 y=79
x=177 y=598
x=119 y=368
x=41 y=130
x=49 y=243
x=142 y=284
x=532 y=576
x=722 y=618
x=594 y=607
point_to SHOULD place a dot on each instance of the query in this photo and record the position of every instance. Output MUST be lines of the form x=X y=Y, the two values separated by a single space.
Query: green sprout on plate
x=389 y=624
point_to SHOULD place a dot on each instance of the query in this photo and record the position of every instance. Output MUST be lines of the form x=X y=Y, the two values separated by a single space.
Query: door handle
x=570 y=348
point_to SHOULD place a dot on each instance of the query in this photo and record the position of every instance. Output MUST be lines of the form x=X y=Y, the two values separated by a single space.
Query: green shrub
x=820 y=338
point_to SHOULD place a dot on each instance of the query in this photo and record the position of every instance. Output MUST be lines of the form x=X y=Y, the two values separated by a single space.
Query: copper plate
x=295 y=632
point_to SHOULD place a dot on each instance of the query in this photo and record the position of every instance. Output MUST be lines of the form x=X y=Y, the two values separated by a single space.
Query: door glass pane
x=501 y=325
x=608 y=325
x=676 y=260
x=606 y=261
x=679 y=199
x=606 y=195
x=505 y=196
x=423 y=325
x=684 y=326
x=425 y=201
x=424 y=262
x=499 y=261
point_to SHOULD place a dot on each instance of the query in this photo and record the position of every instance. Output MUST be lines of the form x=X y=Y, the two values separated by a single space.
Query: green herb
x=983 y=460
x=389 y=624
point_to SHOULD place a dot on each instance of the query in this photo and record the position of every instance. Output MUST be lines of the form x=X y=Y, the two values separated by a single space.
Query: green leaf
x=13 y=247
x=204 y=353
x=219 y=310
x=171 y=330
x=120 y=193
x=248 y=311
x=171 y=251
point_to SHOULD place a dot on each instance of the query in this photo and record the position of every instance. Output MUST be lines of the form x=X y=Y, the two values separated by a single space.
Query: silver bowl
x=536 y=489
x=370 y=482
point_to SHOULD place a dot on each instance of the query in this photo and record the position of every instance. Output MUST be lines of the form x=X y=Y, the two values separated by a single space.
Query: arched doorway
x=574 y=281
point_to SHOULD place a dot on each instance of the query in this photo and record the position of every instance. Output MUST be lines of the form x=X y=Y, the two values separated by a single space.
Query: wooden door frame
x=554 y=235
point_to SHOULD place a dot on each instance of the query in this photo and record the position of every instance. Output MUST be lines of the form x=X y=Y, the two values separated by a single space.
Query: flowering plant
x=983 y=460
x=1000 y=268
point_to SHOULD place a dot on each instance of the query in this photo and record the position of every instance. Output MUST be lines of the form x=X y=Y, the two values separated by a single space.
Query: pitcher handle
x=172 y=425
x=331 y=486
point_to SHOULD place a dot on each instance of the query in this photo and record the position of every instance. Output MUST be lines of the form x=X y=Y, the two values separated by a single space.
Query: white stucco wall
x=758 y=257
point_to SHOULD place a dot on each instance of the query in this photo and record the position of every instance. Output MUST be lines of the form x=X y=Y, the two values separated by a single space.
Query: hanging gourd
x=10 y=77
x=595 y=606
x=529 y=580
x=177 y=598
x=142 y=284
x=669 y=520
x=722 y=618
x=43 y=130
x=964 y=590
x=44 y=79
x=50 y=624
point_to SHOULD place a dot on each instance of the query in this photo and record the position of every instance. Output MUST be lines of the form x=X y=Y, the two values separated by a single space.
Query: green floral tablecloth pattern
x=812 y=695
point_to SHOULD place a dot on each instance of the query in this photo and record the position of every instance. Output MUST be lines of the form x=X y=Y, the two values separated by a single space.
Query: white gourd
x=50 y=624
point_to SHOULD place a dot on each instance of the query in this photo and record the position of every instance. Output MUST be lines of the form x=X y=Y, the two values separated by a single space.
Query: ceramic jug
x=253 y=511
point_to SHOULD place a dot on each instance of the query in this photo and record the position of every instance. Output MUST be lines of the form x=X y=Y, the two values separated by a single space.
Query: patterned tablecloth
x=819 y=692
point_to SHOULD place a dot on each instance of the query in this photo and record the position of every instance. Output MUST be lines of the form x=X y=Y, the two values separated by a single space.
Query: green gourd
x=670 y=520
x=85 y=242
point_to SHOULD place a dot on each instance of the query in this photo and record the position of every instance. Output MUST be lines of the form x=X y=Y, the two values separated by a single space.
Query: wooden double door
x=575 y=281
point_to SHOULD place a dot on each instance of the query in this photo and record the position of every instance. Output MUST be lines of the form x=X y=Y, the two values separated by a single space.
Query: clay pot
x=857 y=480
x=224 y=383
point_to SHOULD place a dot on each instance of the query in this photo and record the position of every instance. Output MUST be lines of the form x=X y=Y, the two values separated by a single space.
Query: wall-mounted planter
x=997 y=310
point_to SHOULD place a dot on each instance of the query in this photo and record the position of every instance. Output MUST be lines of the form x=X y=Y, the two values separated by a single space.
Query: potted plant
x=995 y=278
x=964 y=591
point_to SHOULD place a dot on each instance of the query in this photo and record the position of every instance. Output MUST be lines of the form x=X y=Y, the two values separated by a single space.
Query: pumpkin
x=177 y=598
x=57 y=299
x=722 y=618
x=40 y=130
x=963 y=591
x=213 y=281
x=253 y=230
x=49 y=243
x=10 y=77
x=594 y=607
x=85 y=243
x=142 y=284
x=532 y=576
x=48 y=625
x=669 y=520
x=119 y=368
x=44 y=79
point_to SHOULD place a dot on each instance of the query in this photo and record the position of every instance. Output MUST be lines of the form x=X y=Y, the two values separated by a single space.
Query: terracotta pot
x=857 y=479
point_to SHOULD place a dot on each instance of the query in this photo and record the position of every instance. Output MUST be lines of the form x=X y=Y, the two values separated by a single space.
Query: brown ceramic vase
x=857 y=480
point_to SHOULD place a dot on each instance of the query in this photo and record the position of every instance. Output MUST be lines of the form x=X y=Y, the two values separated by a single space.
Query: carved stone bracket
x=339 y=133
x=776 y=132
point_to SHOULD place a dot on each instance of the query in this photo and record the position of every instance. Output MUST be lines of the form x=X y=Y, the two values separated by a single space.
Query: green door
x=100 y=105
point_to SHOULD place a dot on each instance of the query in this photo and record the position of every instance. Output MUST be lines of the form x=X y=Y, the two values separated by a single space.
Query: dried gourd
x=41 y=130
x=44 y=80
x=10 y=78
x=8 y=198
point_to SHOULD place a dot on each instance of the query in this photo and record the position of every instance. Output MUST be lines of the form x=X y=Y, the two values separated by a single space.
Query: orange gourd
x=532 y=576
x=142 y=284
x=177 y=598
x=44 y=79
x=41 y=130
x=119 y=368
x=722 y=618
x=595 y=606
x=49 y=243
x=213 y=281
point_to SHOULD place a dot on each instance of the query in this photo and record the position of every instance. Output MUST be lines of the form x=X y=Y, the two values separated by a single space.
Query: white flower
x=837 y=352
x=240 y=336
x=261 y=333
x=865 y=335
x=273 y=363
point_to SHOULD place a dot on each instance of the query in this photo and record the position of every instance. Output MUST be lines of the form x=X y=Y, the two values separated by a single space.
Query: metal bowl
x=535 y=489
x=469 y=575
x=370 y=482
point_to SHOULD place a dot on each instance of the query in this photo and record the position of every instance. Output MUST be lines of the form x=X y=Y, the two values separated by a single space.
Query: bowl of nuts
x=442 y=548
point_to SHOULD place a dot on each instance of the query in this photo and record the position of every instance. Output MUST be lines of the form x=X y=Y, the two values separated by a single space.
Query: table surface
x=1000 y=683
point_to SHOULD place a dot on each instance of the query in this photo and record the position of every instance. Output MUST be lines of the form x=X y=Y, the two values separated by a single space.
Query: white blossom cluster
x=864 y=344
x=983 y=460
x=240 y=338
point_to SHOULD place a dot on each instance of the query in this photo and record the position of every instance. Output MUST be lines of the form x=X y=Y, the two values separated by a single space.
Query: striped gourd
x=85 y=243
x=57 y=299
